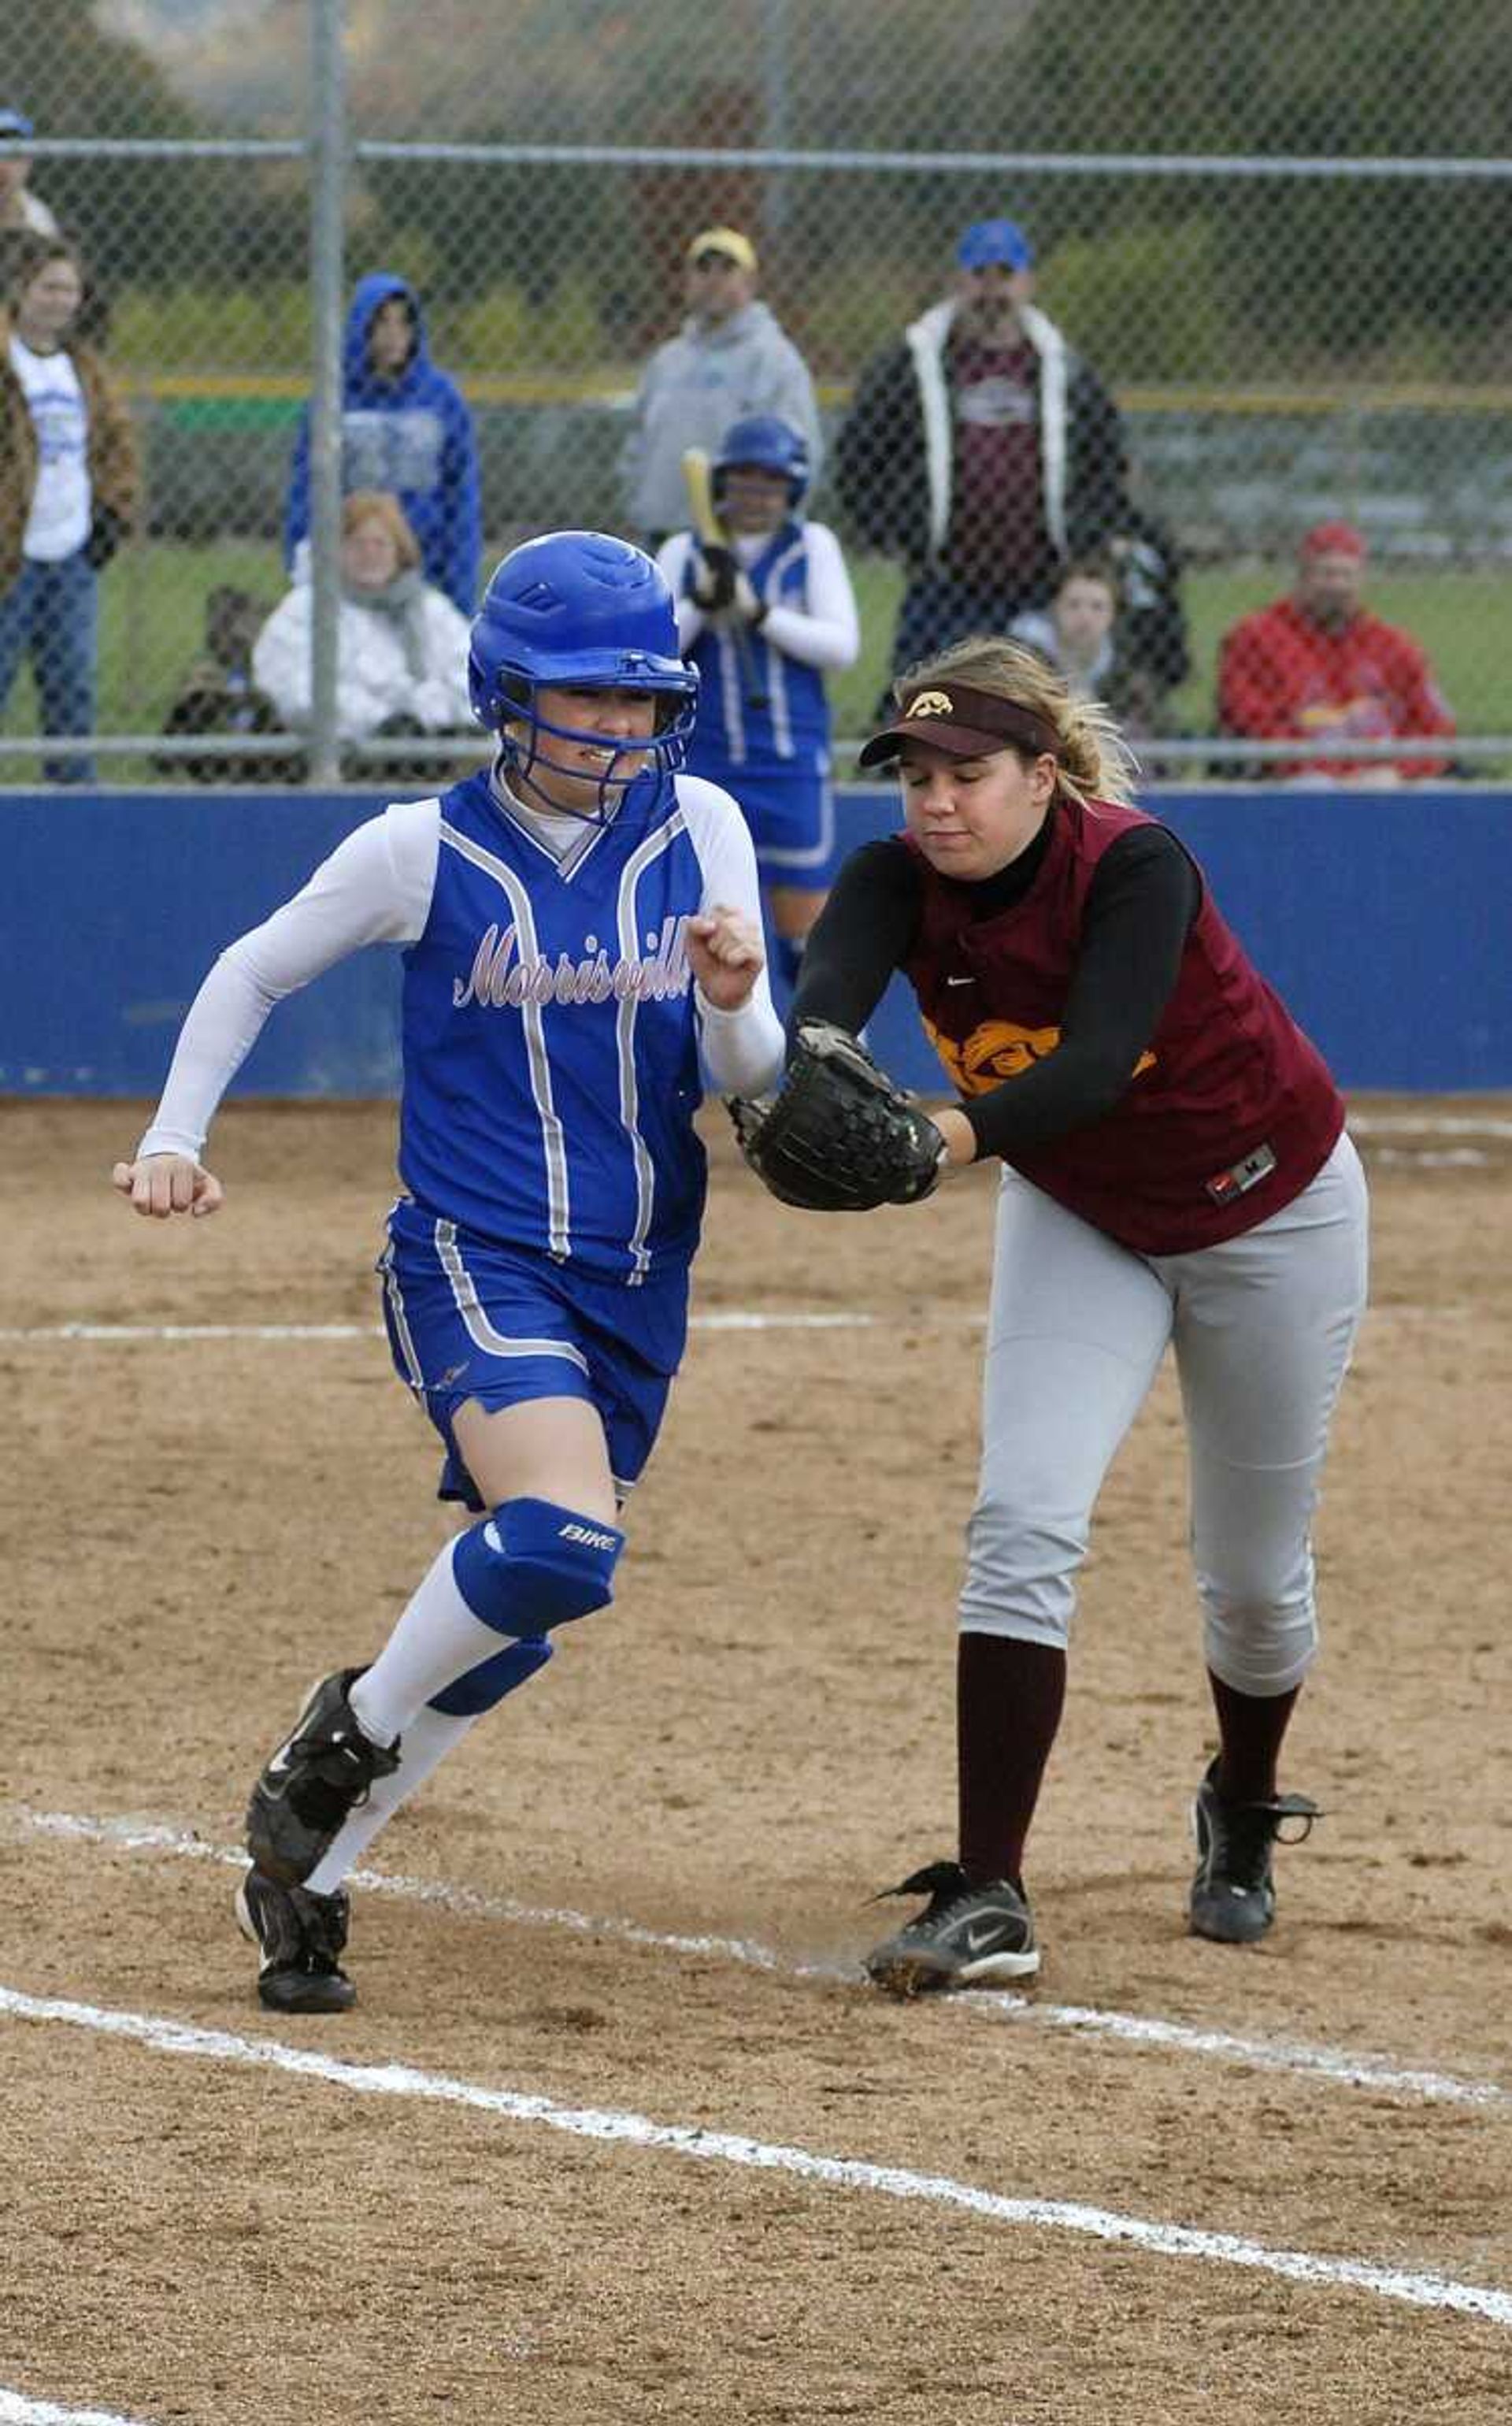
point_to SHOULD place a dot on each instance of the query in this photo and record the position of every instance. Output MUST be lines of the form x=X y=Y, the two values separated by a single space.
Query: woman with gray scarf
x=401 y=644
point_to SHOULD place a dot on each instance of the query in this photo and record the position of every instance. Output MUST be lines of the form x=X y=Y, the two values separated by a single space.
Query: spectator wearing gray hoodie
x=729 y=359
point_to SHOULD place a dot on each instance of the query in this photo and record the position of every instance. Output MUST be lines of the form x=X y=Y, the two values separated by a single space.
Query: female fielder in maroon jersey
x=1175 y=1170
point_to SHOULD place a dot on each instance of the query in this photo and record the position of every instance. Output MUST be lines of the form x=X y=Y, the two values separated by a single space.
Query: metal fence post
x=776 y=113
x=327 y=181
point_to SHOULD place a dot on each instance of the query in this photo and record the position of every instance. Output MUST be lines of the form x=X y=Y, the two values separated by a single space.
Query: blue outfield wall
x=1382 y=918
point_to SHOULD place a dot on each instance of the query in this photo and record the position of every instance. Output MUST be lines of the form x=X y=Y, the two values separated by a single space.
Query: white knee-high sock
x=437 y=1639
x=429 y=1736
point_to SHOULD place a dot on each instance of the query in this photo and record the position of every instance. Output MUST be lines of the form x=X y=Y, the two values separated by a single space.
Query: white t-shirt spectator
x=36 y=214
x=58 y=523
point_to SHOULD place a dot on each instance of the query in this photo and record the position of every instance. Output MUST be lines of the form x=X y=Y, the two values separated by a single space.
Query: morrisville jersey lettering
x=501 y=981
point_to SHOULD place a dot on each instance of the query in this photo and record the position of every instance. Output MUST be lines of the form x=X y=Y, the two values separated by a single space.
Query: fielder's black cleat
x=299 y=1938
x=1233 y=1897
x=312 y=1782
x=966 y=1937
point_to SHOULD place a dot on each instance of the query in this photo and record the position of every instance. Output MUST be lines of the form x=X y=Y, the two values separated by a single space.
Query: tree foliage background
x=1164 y=275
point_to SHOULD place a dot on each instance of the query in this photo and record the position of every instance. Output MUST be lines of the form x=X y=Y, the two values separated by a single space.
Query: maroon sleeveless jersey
x=1228 y=1115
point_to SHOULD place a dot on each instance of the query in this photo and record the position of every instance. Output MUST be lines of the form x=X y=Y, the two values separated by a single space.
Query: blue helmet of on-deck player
x=767 y=444
x=580 y=610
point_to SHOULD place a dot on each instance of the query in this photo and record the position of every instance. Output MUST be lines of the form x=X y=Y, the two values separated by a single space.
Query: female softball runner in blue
x=581 y=930
x=1175 y=1172
x=764 y=620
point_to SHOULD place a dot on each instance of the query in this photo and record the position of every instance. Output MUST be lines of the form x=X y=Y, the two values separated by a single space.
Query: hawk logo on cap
x=931 y=702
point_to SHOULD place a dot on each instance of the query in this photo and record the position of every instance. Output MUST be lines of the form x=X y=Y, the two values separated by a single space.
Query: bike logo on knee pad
x=585 y=1534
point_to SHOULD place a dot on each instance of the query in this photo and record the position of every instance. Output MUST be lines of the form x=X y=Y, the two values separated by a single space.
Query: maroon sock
x=1008 y=1698
x=1250 y=1727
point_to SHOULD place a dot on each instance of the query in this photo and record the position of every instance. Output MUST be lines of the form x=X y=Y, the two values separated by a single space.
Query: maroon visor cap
x=962 y=722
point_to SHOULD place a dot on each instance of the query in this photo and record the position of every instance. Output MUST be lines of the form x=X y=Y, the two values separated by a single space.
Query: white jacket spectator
x=401 y=645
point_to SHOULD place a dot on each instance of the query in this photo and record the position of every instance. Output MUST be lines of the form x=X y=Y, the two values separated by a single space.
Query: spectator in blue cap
x=994 y=244
x=20 y=211
x=981 y=450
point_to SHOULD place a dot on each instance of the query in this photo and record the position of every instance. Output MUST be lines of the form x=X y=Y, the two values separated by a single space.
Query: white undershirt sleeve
x=827 y=632
x=672 y=559
x=743 y=1050
x=374 y=889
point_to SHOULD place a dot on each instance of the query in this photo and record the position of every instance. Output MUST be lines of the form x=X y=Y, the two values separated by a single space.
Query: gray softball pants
x=1262 y=1329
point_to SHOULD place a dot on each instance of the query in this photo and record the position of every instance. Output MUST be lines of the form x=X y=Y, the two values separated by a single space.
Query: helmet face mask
x=527 y=733
x=579 y=610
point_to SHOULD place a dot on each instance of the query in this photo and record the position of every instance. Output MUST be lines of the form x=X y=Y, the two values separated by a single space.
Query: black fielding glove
x=714 y=584
x=839 y=1137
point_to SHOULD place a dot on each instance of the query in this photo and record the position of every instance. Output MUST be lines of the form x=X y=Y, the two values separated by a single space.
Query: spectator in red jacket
x=1315 y=666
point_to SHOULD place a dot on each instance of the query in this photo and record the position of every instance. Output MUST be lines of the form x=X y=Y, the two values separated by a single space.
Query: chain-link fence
x=1231 y=277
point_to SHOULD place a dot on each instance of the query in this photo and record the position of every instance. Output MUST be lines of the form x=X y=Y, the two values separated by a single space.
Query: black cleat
x=1233 y=1897
x=299 y=1938
x=966 y=1937
x=314 y=1782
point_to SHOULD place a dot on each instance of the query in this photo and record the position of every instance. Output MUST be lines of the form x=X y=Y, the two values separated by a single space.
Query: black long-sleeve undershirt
x=1138 y=910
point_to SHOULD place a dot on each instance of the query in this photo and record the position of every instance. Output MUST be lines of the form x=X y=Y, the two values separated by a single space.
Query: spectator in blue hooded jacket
x=405 y=431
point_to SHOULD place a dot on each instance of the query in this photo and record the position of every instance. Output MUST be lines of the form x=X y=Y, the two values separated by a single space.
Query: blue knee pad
x=532 y=1565
x=488 y=1682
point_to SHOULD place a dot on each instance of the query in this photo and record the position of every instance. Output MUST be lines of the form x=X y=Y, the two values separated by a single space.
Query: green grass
x=1464 y=620
x=152 y=622
x=152 y=629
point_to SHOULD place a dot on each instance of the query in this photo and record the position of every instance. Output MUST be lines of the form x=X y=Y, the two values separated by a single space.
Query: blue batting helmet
x=579 y=610
x=768 y=443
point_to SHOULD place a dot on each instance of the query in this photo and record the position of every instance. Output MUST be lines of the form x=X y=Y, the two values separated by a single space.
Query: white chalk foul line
x=1337 y=2065
x=130 y=1334
x=17 y=2410
x=612 y=2124
x=732 y=1319
x=1451 y=1157
x=1432 y=1125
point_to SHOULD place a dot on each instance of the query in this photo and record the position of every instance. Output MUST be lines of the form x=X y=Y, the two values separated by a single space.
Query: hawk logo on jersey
x=1000 y=1049
x=931 y=702
x=500 y=981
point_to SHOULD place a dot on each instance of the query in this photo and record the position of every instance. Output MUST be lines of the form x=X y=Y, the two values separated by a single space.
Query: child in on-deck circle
x=765 y=619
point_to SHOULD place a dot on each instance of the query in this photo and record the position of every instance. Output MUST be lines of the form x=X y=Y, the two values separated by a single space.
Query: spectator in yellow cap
x=730 y=361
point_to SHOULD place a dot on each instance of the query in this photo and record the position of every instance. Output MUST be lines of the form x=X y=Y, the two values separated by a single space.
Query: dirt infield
x=615 y=2133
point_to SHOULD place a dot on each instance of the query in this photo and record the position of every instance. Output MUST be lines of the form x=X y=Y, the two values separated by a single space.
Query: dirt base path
x=638 y=1895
